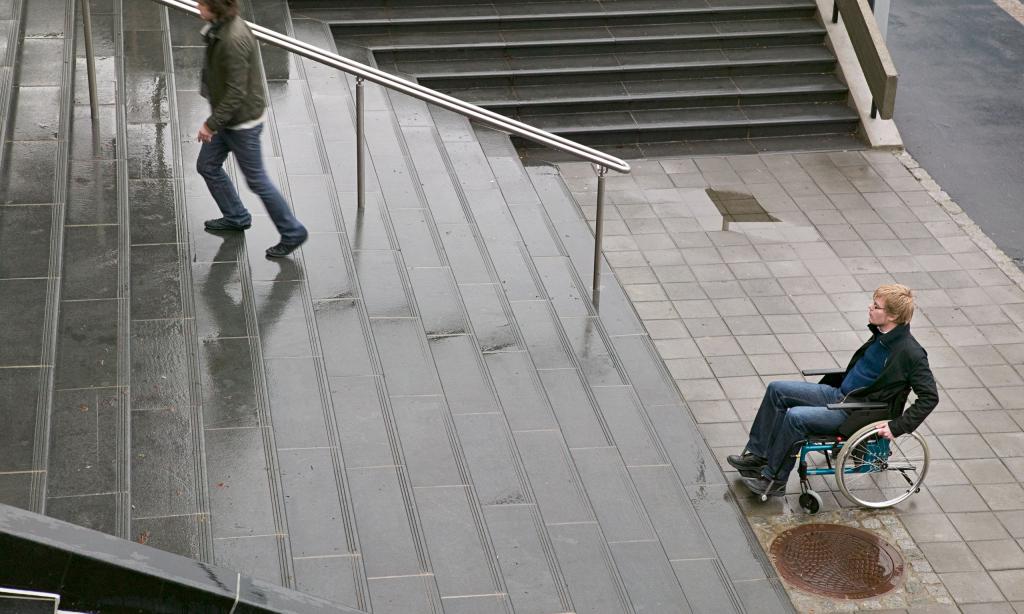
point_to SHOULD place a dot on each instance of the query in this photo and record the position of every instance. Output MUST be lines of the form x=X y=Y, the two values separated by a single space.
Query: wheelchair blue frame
x=879 y=448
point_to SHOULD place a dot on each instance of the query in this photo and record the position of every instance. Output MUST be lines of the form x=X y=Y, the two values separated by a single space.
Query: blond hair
x=899 y=301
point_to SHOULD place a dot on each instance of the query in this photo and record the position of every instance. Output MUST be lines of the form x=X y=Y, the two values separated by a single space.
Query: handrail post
x=360 y=146
x=598 y=236
x=90 y=59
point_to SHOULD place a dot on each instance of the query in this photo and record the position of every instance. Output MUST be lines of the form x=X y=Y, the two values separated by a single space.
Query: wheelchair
x=869 y=470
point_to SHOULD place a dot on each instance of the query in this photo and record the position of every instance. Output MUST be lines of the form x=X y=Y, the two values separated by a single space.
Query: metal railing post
x=598 y=235
x=360 y=146
x=90 y=59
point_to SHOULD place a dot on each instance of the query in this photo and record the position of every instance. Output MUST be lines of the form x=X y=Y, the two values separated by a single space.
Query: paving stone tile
x=971 y=587
x=461 y=562
x=415 y=594
x=959 y=498
x=590 y=574
x=426 y=432
x=257 y=556
x=986 y=471
x=1006 y=444
x=674 y=519
x=649 y=578
x=332 y=578
x=574 y=409
x=97 y=512
x=162 y=463
x=380 y=511
x=159 y=365
x=343 y=338
x=463 y=253
x=87 y=348
x=738 y=551
x=29 y=179
x=495 y=330
x=951 y=557
x=946 y=472
x=1002 y=496
x=974 y=526
x=176 y=534
x=530 y=581
x=558 y=489
x=155 y=282
x=998 y=554
x=966 y=446
x=1011 y=582
x=930 y=528
x=228 y=384
x=240 y=495
x=296 y=403
x=317 y=525
x=404 y=359
x=463 y=375
x=385 y=297
x=491 y=459
x=25 y=234
x=608 y=485
x=19 y=392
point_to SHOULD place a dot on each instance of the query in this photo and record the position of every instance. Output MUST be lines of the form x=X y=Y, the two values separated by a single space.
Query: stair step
x=640 y=95
x=798 y=59
x=498 y=43
x=355 y=18
x=701 y=123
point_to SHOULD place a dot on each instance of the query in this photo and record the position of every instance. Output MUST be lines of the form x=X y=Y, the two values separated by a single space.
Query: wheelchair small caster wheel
x=810 y=501
x=764 y=498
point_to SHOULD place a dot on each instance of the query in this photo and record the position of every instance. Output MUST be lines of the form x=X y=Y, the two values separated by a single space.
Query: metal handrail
x=363 y=73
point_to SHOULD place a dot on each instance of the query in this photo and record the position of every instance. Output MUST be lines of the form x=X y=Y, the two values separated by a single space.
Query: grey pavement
x=733 y=304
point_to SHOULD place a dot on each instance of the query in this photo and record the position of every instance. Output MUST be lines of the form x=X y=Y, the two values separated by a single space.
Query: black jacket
x=905 y=369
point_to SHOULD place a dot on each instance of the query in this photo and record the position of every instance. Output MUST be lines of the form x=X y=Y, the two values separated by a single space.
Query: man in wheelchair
x=883 y=370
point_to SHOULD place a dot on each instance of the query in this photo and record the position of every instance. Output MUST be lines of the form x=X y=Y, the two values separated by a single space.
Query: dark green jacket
x=231 y=76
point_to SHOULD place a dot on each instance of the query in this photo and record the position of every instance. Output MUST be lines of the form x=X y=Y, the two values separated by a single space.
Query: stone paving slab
x=732 y=305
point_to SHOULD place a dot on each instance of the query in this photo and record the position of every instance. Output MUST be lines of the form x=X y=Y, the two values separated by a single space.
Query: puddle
x=728 y=210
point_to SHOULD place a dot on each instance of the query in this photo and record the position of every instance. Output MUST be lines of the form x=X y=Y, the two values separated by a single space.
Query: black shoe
x=760 y=486
x=747 y=462
x=283 y=249
x=220 y=224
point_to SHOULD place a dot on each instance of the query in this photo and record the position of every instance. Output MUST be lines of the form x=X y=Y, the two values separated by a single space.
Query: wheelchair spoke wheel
x=874 y=472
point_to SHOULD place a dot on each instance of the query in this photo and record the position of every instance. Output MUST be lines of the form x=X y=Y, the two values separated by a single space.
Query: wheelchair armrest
x=855 y=405
x=831 y=371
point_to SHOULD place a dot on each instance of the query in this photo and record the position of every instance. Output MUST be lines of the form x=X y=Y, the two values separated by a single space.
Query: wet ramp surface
x=418 y=412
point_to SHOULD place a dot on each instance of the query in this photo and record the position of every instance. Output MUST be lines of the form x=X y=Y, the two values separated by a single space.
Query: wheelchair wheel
x=811 y=502
x=874 y=472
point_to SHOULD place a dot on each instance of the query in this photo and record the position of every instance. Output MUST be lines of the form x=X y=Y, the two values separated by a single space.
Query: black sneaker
x=747 y=462
x=283 y=249
x=764 y=486
x=220 y=224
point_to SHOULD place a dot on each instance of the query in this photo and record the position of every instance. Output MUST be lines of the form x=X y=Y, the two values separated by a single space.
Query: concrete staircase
x=614 y=72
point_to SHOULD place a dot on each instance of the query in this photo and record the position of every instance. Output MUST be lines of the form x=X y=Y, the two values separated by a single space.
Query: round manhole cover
x=837 y=561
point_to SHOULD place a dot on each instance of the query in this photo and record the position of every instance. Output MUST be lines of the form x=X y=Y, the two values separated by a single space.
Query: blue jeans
x=789 y=412
x=245 y=144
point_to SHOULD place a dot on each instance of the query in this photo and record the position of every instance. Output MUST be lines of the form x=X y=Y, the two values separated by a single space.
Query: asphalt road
x=960 y=106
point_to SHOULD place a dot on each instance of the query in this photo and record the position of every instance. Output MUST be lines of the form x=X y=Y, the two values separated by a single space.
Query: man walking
x=231 y=81
x=884 y=369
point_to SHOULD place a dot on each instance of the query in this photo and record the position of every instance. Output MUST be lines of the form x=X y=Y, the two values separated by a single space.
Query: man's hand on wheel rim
x=883 y=430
